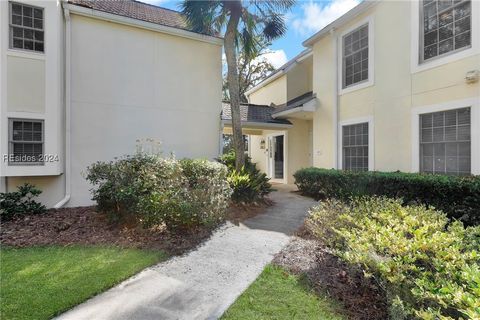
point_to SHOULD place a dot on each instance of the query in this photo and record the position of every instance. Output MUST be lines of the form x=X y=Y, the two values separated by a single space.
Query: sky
x=306 y=18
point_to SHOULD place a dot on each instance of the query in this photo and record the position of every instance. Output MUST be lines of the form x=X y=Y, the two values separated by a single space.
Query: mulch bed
x=361 y=298
x=86 y=226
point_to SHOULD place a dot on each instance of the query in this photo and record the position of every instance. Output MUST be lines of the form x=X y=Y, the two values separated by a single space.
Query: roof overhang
x=281 y=71
x=304 y=111
x=89 y=12
x=357 y=10
x=259 y=125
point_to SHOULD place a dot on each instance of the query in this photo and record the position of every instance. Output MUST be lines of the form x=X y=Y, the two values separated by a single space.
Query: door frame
x=270 y=160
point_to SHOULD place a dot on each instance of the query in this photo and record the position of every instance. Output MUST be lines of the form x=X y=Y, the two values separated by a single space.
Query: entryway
x=276 y=157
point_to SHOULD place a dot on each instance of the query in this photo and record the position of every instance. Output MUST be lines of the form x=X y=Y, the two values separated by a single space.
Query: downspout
x=68 y=164
x=335 y=99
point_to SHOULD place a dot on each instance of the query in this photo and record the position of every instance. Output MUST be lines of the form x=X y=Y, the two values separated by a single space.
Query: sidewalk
x=203 y=283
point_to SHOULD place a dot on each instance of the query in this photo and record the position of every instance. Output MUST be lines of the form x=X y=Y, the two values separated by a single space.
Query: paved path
x=203 y=283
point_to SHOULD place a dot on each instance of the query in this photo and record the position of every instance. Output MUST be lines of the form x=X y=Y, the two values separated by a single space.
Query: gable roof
x=137 y=10
x=252 y=113
x=280 y=71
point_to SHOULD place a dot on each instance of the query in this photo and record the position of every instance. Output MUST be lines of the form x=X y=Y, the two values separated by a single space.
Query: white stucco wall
x=129 y=83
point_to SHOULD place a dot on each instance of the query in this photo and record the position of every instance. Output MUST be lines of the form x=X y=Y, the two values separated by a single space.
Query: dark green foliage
x=20 y=202
x=249 y=184
x=154 y=190
x=459 y=197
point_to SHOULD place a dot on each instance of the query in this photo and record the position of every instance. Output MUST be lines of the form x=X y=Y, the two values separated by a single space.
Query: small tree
x=251 y=70
x=242 y=22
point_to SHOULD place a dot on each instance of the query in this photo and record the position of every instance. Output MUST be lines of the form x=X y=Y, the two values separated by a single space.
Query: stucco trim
x=141 y=24
x=371 y=140
x=474 y=104
x=416 y=65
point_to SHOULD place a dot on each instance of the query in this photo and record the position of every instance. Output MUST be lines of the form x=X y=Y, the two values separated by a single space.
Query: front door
x=276 y=148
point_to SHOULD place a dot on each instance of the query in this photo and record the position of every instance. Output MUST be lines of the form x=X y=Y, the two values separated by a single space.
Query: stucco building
x=390 y=85
x=82 y=81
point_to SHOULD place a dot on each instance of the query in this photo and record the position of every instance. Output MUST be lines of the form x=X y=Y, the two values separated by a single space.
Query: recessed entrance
x=276 y=157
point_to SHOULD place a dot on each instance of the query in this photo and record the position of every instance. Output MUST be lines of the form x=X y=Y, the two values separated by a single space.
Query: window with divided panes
x=446 y=27
x=25 y=141
x=355 y=56
x=26 y=27
x=355 y=147
x=445 y=142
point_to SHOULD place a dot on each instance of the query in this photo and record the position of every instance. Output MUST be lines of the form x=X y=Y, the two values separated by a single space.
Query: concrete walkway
x=203 y=283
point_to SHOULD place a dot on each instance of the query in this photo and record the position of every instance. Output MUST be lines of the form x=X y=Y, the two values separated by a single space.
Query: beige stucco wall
x=25 y=84
x=299 y=79
x=396 y=89
x=137 y=84
x=275 y=92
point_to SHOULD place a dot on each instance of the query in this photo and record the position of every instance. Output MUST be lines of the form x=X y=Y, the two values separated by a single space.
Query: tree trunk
x=234 y=89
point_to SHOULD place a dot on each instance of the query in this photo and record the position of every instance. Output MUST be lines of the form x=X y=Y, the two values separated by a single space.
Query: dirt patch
x=84 y=225
x=239 y=212
x=361 y=298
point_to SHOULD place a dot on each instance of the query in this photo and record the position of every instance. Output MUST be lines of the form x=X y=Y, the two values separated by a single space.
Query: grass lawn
x=277 y=294
x=41 y=282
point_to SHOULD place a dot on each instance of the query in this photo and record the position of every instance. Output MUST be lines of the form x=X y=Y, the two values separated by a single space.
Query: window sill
x=25 y=54
x=356 y=87
x=434 y=63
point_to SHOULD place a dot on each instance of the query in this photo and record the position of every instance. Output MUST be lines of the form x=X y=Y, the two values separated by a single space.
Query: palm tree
x=243 y=21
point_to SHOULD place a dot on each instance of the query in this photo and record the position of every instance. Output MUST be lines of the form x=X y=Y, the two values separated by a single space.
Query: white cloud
x=276 y=57
x=316 y=15
x=154 y=2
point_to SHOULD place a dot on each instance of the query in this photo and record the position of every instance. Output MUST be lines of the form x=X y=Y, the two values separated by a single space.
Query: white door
x=276 y=157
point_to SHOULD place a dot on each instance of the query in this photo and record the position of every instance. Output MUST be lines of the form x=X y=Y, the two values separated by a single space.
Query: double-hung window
x=25 y=141
x=355 y=56
x=355 y=147
x=26 y=27
x=446 y=27
x=445 y=142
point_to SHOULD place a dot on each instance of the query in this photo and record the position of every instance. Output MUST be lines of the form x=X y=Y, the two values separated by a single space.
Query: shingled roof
x=252 y=113
x=137 y=10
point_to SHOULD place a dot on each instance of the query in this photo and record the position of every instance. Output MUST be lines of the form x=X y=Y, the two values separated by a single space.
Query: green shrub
x=429 y=268
x=249 y=184
x=20 y=202
x=459 y=197
x=154 y=190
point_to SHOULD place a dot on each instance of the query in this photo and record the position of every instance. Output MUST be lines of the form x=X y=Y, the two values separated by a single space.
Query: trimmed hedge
x=458 y=197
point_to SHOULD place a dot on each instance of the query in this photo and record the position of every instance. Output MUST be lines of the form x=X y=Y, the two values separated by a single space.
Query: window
x=446 y=28
x=445 y=142
x=26 y=27
x=355 y=147
x=355 y=56
x=25 y=141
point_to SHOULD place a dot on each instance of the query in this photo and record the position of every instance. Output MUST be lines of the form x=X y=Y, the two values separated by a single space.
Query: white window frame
x=371 y=140
x=10 y=25
x=474 y=104
x=417 y=64
x=11 y=142
x=371 y=58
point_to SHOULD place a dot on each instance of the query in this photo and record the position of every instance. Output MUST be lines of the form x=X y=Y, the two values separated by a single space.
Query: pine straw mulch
x=86 y=226
x=360 y=297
